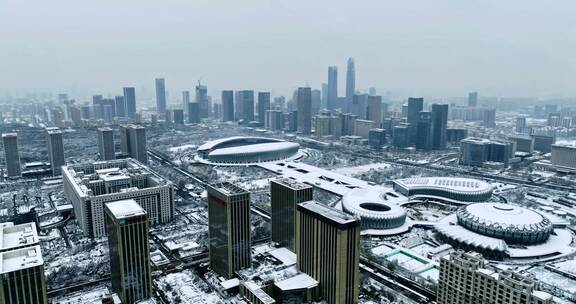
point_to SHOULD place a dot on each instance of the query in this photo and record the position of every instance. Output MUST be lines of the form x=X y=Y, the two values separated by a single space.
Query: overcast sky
x=420 y=47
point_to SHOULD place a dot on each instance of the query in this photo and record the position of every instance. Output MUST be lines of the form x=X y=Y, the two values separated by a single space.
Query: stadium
x=247 y=150
x=447 y=189
x=377 y=210
x=502 y=231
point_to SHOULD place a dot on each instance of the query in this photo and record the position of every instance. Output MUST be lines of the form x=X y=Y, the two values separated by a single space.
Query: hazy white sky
x=421 y=47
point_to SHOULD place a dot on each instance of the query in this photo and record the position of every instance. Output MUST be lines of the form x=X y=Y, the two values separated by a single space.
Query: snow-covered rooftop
x=255 y=148
x=22 y=258
x=299 y=281
x=459 y=184
x=17 y=236
x=329 y=213
x=504 y=214
x=125 y=208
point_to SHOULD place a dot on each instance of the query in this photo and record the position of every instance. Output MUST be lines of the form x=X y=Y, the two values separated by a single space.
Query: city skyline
x=451 y=50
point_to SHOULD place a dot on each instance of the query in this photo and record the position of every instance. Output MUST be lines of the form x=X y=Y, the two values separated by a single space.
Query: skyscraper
x=374 y=110
x=22 y=278
x=105 y=139
x=324 y=101
x=424 y=131
x=202 y=100
x=227 y=105
x=193 y=112
x=160 y=95
x=127 y=227
x=120 y=106
x=263 y=105
x=133 y=142
x=439 y=125
x=178 y=116
x=415 y=105
x=316 y=101
x=130 y=100
x=55 y=143
x=185 y=101
x=328 y=249
x=473 y=99
x=285 y=195
x=350 y=80
x=229 y=228
x=11 y=154
x=332 y=98
x=246 y=105
x=304 y=105
x=489 y=118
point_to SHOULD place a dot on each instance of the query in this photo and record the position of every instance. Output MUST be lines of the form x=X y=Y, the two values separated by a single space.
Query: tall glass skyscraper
x=160 y=95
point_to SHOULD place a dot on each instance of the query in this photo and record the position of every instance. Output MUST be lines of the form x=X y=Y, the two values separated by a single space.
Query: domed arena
x=501 y=231
x=240 y=150
x=513 y=224
x=377 y=210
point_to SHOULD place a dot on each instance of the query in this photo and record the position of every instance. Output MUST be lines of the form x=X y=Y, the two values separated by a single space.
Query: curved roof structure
x=246 y=150
x=514 y=224
x=451 y=188
x=377 y=210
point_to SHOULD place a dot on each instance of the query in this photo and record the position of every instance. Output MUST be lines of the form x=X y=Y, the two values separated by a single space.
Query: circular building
x=451 y=189
x=512 y=224
x=501 y=231
x=241 y=150
x=377 y=210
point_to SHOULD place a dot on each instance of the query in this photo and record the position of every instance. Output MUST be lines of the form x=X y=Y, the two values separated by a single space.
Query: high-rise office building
x=358 y=105
x=120 y=106
x=489 y=118
x=466 y=278
x=285 y=195
x=245 y=101
x=473 y=99
x=401 y=135
x=160 y=95
x=439 y=126
x=130 y=100
x=105 y=139
x=229 y=228
x=374 y=110
x=543 y=143
x=524 y=143
x=415 y=105
x=332 y=97
x=328 y=250
x=424 y=131
x=127 y=227
x=185 y=101
x=263 y=105
x=316 y=101
x=133 y=142
x=194 y=112
x=22 y=278
x=227 y=105
x=376 y=138
x=202 y=100
x=304 y=105
x=178 y=116
x=362 y=127
x=350 y=80
x=11 y=154
x=520 y=124
x=324 y=100
x=55 y=143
